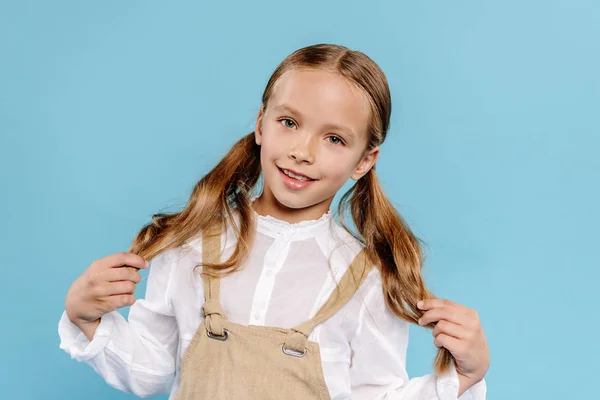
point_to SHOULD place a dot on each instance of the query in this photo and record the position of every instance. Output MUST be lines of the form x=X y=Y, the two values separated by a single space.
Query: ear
x=258 y=127
x=365 y=164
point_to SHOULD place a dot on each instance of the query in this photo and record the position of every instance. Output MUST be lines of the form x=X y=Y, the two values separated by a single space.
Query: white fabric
x=284 y=281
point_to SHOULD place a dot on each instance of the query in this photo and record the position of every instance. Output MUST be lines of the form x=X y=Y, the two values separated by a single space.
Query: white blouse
x=284 y=281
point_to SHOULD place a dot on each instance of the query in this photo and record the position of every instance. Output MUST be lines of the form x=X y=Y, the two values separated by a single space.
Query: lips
x=296 y=173
x=295 y=184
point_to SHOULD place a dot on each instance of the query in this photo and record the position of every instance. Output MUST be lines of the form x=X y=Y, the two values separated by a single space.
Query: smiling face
x=315 y=124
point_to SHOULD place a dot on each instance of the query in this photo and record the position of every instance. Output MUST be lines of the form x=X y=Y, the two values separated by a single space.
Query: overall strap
x=348 y=285
x=211 y=252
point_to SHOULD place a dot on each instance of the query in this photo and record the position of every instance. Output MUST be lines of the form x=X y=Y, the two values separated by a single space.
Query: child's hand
x=103 y=287
x=458 y=330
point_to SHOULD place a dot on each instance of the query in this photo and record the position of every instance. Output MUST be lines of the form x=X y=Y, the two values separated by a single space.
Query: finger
x=429 y=304
x=119 y=301
x=450 y=329
x=115 y=288
x=123 y=259
x=123 y=274
x=451 y=343
x=448 y=314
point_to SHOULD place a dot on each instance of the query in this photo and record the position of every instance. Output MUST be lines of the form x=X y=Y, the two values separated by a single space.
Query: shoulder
x=164 y=259
x=193 y=245
x=190 y=250
x=377 y=323
x=338 y=244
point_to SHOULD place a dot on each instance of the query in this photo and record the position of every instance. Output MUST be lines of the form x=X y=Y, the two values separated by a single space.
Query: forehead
x=322 y=97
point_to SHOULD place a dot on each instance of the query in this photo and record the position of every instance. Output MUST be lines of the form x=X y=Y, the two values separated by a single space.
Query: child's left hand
x=458 y=330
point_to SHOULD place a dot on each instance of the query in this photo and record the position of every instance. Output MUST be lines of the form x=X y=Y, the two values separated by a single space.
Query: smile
x=293 y=181
x=296 y=175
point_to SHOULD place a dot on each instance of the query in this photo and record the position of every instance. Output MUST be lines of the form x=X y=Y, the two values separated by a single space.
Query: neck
x=268 y=205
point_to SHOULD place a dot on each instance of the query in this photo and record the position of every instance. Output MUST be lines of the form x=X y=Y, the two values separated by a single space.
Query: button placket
x=274 y=260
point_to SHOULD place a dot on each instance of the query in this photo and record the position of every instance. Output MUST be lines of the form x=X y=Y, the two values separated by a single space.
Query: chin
x=290 y=202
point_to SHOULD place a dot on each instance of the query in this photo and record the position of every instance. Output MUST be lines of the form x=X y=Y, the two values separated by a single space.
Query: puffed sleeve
x=135 y=356
x=378 y=365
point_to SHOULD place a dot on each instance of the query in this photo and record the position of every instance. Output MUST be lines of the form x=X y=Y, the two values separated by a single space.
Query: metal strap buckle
x=222 y=338
x=294 y=353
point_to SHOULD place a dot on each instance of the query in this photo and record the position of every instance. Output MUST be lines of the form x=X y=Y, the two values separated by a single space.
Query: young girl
x=264 y=296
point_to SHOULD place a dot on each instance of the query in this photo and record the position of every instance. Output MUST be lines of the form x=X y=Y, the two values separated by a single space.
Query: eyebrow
x=292 y=110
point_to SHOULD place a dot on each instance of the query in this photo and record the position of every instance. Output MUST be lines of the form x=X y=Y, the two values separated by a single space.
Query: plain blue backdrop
x=110 y=111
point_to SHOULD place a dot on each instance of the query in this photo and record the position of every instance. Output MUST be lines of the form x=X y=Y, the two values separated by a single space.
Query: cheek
x=336 y=169
x=269 y=134
x=270 y=148
x=270 y=129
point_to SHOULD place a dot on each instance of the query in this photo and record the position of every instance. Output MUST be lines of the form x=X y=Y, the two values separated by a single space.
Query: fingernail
x=147 y=263
x=420 y=321
x=420 y=304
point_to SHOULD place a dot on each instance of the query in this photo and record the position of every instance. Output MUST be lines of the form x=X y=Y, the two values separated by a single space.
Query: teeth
x=298 y=177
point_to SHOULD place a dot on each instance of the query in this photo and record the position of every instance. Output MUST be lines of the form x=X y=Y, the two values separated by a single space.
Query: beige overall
x=226 y=360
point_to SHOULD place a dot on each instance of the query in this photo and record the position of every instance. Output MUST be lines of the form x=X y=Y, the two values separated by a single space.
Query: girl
x=263 y=296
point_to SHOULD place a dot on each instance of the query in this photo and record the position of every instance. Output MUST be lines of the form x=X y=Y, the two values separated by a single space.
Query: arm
x=138 y=356
x=378 y=367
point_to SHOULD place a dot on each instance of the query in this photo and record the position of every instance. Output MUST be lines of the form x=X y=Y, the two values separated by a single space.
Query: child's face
x=315 y=124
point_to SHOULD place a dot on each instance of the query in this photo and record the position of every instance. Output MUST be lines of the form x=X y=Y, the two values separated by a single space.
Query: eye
x=284 y=120
x=340 y=141
x=290 y=123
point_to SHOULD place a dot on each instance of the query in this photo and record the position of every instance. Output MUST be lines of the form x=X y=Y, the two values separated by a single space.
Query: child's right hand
x=107 y=284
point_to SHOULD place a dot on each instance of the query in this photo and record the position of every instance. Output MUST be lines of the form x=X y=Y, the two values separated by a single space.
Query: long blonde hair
x=225 y=191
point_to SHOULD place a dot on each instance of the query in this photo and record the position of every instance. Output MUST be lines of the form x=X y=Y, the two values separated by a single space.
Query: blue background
x=110 y=111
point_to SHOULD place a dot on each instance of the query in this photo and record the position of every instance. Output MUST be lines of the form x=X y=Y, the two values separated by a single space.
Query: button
x=269 y=273
x=285 y=235
x=335 y=271
x=257 y=316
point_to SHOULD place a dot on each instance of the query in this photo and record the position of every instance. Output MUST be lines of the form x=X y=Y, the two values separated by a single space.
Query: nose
x=303 y=150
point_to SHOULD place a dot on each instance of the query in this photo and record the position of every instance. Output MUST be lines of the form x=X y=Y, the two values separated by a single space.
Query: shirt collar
x=281 y=229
